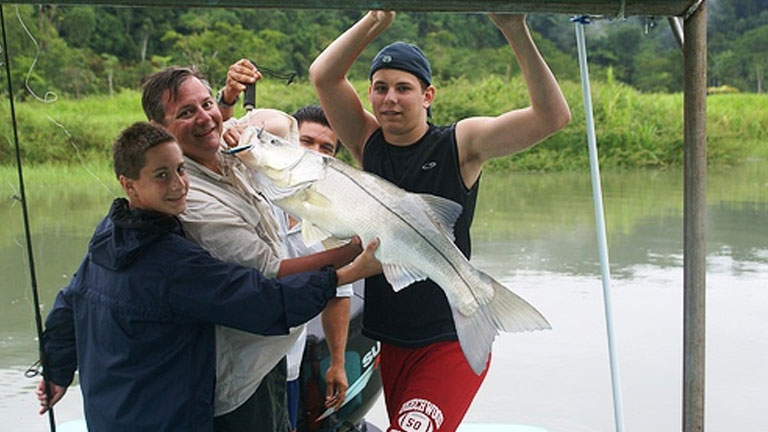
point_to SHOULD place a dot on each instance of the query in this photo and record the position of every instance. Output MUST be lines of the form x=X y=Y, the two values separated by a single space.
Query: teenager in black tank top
x=430 y=165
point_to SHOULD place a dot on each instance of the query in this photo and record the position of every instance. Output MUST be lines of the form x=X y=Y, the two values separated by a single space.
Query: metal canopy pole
x=694 y=217
x=602 y=243
x=675 y=24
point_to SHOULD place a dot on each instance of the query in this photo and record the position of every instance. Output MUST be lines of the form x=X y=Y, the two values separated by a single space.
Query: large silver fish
x=415 y=230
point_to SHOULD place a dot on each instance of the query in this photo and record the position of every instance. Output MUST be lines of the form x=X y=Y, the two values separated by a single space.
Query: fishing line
x=73 y=143
x=25 y=213
x=51 y=97
x=45 y=99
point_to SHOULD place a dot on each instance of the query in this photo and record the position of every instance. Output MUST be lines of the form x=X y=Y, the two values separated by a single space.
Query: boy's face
x=318 y=137
x=195 y=120
x=162 y=184
x=398 y=101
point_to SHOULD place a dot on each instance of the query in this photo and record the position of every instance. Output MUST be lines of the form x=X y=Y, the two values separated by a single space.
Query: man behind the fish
x=428 y=384
x=316 y=134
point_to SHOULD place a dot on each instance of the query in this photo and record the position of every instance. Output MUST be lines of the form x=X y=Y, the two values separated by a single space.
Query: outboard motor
x=362 y=366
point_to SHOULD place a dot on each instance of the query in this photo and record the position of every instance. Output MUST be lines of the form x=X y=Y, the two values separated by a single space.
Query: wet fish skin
x=415 y=230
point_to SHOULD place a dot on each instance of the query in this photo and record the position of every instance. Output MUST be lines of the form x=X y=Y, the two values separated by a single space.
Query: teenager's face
x=398 y=101
x=195 y=120
x=162 y=184
x=318 y=137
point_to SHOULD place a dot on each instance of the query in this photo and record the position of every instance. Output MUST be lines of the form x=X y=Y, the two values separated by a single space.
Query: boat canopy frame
x=693 y=13
x=609 y=8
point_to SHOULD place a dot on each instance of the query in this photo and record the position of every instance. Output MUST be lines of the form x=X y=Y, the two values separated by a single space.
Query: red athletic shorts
x=427 y=389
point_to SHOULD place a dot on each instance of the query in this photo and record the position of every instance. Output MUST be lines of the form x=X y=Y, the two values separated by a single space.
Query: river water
x=534 y=233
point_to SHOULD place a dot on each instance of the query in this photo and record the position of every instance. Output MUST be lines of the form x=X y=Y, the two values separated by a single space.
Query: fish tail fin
x=506 y=311
x=510 y=312
x=476 y=333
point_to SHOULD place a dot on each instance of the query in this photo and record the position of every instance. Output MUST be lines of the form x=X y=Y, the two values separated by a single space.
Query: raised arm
x=240 y=74
x=328 y=73
x=483 y=138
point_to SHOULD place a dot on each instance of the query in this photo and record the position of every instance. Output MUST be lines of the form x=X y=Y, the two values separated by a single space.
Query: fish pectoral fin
x=445 y=211
x=313 y=198
x=334 y=242
x=311 y=234
x=400 y=276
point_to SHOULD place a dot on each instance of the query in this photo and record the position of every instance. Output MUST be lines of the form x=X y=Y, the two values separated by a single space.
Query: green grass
x=60 y=197
x=634 y=130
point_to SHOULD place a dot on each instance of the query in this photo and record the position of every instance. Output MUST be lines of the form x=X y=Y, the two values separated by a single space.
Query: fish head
x=268 y=152
x=280 y=167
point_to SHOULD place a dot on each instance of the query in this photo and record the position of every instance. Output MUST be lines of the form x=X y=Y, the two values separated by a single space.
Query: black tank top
x=419 y=314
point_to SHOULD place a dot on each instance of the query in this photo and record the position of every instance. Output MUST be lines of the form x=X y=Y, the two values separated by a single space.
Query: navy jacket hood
x=125 y=232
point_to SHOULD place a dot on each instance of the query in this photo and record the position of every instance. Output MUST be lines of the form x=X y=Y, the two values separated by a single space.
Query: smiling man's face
x=195 y=120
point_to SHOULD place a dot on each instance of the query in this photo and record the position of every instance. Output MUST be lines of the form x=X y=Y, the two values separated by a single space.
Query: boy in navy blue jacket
x=137 y=319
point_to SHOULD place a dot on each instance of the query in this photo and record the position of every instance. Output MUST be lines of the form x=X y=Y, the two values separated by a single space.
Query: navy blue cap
x=405 y=57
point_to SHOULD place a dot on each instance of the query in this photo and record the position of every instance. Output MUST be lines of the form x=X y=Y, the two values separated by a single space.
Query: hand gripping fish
x=415 y=230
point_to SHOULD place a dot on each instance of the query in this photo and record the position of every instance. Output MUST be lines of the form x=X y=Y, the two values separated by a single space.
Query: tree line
x=84 y=50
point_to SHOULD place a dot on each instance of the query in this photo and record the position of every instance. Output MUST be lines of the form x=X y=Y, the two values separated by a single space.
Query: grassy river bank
x=634 y=130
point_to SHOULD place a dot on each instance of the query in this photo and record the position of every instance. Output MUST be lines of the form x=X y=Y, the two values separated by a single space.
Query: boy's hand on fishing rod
x=239 y=75
x=57 y=392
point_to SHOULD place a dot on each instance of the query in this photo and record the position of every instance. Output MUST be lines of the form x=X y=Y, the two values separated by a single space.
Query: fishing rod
x=25 y=212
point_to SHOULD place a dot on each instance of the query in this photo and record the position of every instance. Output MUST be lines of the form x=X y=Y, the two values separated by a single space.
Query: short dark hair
x=131 y=145
x=170 y=79
x=314 y=114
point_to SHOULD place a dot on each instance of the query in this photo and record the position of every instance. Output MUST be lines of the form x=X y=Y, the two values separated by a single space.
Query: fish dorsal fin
x=311 y=234
x=400 y=276
x=446 y=211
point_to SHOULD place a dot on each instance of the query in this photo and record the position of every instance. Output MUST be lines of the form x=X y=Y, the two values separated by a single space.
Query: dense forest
x=76 y=51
